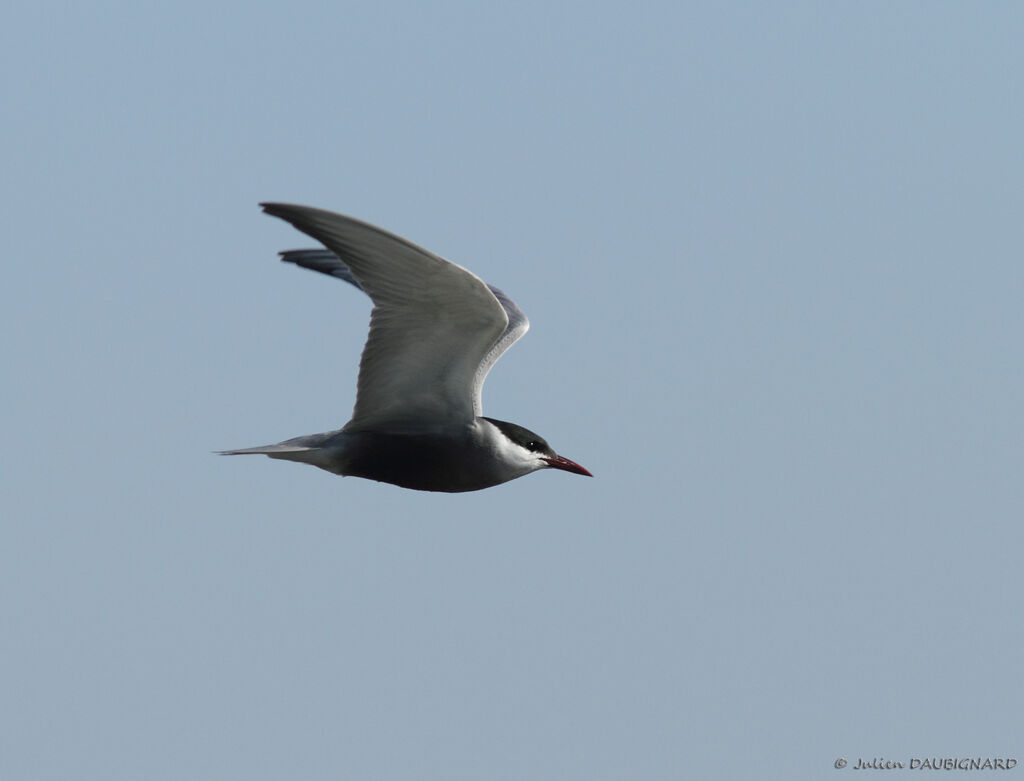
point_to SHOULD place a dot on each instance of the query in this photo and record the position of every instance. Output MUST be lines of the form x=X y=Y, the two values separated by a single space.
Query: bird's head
x=522 y=450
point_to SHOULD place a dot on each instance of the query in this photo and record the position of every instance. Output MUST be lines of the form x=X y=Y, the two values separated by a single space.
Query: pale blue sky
x=772 y=258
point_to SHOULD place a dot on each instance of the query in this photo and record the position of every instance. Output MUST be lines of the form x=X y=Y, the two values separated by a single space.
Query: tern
x=436 y=330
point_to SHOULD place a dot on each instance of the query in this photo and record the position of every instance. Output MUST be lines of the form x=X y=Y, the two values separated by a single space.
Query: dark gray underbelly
x=424 y=463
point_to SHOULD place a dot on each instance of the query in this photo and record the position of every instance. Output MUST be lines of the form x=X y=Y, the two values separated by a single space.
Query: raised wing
x=326 y=262
x=435 y=330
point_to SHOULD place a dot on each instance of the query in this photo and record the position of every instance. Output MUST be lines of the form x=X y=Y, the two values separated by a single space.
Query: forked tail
x=317 y=449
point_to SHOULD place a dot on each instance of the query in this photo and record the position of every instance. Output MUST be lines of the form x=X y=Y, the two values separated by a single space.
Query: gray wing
x=326 y=262
x=436 y=328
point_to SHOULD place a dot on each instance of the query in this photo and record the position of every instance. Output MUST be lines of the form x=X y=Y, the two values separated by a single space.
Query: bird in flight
x=436 y=330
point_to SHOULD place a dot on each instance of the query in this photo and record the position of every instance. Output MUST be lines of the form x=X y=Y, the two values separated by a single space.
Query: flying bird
x=436 y=330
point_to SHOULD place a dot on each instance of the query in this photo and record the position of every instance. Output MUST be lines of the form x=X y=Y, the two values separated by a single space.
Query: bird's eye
x=533 y=445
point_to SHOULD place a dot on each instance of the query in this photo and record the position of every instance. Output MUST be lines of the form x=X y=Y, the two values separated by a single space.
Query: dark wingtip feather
x=275 y=209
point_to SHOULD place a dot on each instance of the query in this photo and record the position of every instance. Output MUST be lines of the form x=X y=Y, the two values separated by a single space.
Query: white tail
x=323 y=457
x=280 y=451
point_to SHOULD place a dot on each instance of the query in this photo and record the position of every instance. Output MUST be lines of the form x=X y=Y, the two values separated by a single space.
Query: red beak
x=569 y=466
